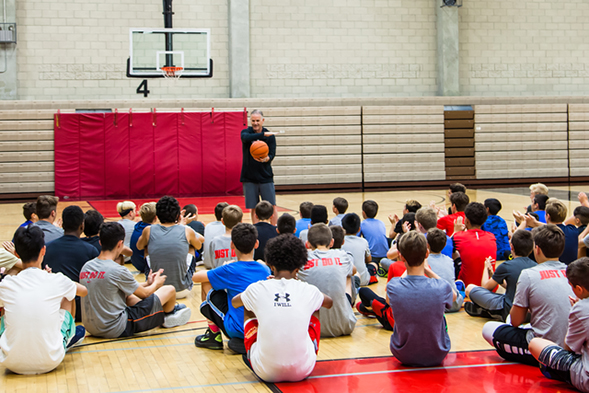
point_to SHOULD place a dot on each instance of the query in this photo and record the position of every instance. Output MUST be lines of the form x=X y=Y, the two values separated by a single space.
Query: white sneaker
x=179 y=316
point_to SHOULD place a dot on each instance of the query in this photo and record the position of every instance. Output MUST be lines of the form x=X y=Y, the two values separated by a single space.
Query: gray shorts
x=486 y=299
x=253 y=191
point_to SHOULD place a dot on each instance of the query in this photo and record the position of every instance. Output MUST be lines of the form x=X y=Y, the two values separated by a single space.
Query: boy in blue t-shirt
x=498 y=227
x=374 y=231
x=419 y=341
x=304 y=222
x=223 y=283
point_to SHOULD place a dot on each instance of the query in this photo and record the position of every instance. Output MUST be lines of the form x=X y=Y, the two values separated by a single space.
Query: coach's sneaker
x=209 y=340
x=78 y=337
x=178 y=316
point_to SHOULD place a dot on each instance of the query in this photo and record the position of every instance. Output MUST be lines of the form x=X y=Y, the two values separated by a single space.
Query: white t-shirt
x=283 y=351
x=32 y=342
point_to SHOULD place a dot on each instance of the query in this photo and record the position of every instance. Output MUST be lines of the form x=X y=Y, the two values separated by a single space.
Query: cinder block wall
x=524 y=47
x=343 y=48
x=77 y=49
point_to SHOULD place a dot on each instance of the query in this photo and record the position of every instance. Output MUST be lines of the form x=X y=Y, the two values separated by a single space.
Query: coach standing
x=256 y=174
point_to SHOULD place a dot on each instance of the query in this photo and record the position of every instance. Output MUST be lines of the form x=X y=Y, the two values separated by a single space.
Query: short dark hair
x=476 y=213
x=285 y=253
x=436 y=238
x=319 y=235
x=111 y=233
x=550 y=239
x=244 y=237
x=28 y=243
x=264 y=210
x=337 y=233
x=189 y=209
x=167 y=209
x=582 y=214
x=457 y=187
x=459 y=199
x=92 y=222
x=412 y=206
x=541 y=200
x=28 y=209
x=578 y=272
x=305 y=209
x=45 y=205
x=73 y=218
x=370 y=208
x=522 y=242
x=286 y=224
x=351 y=223
x=410 y=218
x=219 y=210
x=340 y=204
x=493 y=205
x=319 y=214
x=413 y=247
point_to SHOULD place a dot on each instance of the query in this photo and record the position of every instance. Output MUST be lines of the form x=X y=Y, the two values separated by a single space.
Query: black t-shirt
x=265 y=232
x=253 y=171
x=509 y=272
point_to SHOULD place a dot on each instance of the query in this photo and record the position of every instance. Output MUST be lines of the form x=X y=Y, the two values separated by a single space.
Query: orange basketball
x=259 y=150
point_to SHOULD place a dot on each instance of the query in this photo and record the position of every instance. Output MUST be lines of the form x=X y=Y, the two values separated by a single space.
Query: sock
x=214 y=328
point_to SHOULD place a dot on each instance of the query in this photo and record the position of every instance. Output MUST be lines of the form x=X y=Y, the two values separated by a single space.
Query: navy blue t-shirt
x=571 y=243
x=265 y=232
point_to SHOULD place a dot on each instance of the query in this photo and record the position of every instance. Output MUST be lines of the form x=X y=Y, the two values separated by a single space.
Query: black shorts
x=512 y=344
x=145 y=315
x=558 y=362
x=215 y=307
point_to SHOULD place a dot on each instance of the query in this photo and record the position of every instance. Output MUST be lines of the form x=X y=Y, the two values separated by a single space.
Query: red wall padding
x=134 y=155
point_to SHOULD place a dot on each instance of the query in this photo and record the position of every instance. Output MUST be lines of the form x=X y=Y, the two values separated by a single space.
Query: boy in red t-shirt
x=473 y=244
x=459 y=200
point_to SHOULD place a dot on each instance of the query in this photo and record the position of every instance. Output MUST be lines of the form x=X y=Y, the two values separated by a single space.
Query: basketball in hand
x=259 y=150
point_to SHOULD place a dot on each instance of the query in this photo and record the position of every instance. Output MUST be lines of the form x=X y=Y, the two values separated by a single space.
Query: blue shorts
x=253 y=191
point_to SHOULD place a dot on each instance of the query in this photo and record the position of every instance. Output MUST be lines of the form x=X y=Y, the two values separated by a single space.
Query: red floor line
x=410 y=370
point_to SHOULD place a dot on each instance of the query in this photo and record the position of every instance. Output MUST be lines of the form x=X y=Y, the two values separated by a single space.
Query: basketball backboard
x=152 y=49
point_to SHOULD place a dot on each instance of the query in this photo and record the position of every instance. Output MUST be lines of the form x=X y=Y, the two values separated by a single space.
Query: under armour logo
x=286 y=297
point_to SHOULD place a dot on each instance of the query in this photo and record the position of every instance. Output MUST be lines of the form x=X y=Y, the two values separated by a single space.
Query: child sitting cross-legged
x=280 y=310
x=331 y=272
x=419 y=341
x=570 y=363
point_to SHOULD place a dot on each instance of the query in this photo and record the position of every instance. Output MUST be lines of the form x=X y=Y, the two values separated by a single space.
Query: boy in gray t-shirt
x=119 y=306
x=570 y=362
x=360 y=250
x=542 y=290
x=331 y=272
x=220 y=250
x=212 y=230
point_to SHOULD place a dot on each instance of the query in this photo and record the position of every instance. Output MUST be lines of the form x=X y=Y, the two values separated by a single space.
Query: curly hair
x=167 y=209
x=285 y=253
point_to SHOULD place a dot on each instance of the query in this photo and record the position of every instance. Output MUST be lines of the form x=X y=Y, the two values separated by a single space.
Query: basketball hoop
x=172 y=72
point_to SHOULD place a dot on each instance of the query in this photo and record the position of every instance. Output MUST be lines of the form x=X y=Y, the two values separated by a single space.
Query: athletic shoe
x=362 y=310
x=475 y=311
x=237 y=345
x=373 y=280
x=78 y=337
x=178 y=316
x=381 y=272
x=209 y=340
x=459 y=285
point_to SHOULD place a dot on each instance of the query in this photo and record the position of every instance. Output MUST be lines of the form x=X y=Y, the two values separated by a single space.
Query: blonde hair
x=124 y=207
x=232 y=215
x=539 y=188
x=148 y=212
x=556 y=210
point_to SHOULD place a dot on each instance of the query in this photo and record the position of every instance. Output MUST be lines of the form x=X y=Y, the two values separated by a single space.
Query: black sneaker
x=381 y=272
x=78 y=337
x=475 y=311
x=237 y=345
x=209 y=340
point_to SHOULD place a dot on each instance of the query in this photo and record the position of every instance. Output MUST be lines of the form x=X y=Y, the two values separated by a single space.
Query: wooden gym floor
x=166 y=359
